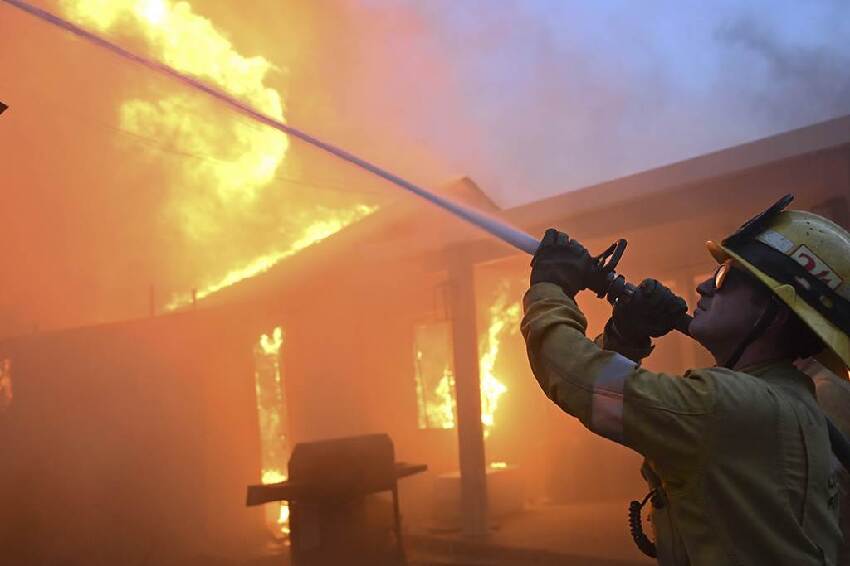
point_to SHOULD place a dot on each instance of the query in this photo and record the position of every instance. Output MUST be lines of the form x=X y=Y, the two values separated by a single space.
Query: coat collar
x=782 y=373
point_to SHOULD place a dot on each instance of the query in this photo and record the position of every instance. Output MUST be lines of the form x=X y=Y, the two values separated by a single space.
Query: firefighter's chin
x=701 y=328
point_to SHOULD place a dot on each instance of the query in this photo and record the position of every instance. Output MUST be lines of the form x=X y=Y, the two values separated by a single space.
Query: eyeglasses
x=722 y=273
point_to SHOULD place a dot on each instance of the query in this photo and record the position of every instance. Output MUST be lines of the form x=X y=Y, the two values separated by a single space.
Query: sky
x=115 y=181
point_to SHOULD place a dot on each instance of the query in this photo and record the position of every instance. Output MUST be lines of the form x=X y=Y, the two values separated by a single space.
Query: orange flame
x=436 y=391
x=314 y=233
x=271 y=412
x=504 y=321
x=435 y=384
x=210 y=190
x=281 y=517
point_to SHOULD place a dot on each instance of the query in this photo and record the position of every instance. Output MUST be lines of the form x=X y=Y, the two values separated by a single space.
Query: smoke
x=800 y=83
x=532 y=98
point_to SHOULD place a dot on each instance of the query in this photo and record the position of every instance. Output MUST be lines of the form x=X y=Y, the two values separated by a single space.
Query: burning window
x=435 y=384
x=5 y=384
x=273 y=431
x=504 y=317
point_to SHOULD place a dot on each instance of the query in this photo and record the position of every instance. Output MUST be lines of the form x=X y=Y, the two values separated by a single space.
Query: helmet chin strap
x=764 y=320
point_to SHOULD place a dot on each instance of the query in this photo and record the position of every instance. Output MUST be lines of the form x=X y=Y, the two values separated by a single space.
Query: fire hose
x=615 y=287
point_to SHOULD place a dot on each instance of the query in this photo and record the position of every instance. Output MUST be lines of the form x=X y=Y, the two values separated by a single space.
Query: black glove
x=652 y=311
x=564 y=262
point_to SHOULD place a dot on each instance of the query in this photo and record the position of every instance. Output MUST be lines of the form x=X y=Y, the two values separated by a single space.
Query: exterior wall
x=130 y=443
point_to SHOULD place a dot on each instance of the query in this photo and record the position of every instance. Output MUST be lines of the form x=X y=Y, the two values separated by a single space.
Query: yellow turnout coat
x=743 y=458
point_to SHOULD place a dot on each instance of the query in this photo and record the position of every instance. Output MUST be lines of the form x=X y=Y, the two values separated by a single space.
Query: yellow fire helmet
x=804 y=259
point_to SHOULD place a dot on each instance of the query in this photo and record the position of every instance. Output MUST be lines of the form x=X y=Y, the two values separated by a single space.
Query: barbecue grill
x=336 y=516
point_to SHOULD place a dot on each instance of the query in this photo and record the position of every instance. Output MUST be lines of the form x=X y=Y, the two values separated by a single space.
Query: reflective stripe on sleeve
x=606 y=416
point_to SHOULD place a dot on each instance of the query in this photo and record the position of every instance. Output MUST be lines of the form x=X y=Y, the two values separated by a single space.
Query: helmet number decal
x=816 y=266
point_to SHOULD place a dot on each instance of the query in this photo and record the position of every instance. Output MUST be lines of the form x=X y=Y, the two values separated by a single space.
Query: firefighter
x=738 y=455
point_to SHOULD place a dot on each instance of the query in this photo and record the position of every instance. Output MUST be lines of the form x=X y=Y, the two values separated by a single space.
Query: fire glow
x=246 y=157
x=279 y=518
x=435 y=382
x=271 y=409
x=191 y=43
x=6 y=395
x=504 y=320
x=314 y=233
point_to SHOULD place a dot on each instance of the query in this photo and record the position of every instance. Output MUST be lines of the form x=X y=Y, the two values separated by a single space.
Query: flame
x=444 y=410
x=282 y=516
x=273 y=476
x=437 y=401
x=192 y=44
x=437 y=407
x=271 y=412
x=504 y=321
x=270 y=345
x=314 y=233
x=435 y=384
x=208 y=191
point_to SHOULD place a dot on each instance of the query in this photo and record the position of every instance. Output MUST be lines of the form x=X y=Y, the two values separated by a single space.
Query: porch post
x=470 y=432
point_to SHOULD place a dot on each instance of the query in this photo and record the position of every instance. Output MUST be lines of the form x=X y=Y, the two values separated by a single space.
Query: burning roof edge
x=406 y=219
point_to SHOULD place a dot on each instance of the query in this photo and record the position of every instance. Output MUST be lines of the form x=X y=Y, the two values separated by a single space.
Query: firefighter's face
x=728 y=307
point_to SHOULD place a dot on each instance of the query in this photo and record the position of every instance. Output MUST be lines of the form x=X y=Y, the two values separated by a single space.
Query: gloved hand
x=564 y=262
x=652 y=312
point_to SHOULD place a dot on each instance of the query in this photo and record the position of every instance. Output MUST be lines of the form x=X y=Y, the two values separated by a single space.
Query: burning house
x=138 y=438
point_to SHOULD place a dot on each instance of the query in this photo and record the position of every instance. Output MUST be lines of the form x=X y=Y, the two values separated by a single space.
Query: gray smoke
x=799 y=83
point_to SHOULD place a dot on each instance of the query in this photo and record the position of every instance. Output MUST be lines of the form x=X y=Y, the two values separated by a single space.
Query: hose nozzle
x=615 y=288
